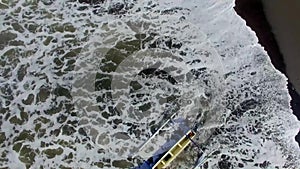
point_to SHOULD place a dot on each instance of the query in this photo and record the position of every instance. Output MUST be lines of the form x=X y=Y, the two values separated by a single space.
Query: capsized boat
x=175 y=150
x=163 y=160
x=158 y=152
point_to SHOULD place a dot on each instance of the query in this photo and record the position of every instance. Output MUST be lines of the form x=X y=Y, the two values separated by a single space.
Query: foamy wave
x=58 y=109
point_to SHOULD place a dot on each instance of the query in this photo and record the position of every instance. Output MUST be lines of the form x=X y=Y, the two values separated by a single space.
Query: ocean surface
x=254 y=13
x=85 y=85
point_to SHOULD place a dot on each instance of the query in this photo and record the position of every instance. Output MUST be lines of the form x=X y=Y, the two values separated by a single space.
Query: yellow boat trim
x=175 y=151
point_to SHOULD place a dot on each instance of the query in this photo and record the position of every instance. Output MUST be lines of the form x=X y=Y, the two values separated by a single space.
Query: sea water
x=84 y=86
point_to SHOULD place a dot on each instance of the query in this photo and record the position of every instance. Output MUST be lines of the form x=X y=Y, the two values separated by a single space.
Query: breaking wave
x=85 y=85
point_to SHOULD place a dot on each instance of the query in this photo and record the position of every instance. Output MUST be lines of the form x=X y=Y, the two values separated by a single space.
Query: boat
x=175 y=150
x=163 y=160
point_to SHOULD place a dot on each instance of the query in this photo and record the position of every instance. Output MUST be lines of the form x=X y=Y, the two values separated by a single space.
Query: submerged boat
x=163 y=160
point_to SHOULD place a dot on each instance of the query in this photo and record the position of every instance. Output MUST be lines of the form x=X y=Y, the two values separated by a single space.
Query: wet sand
x=283 y=17
x=281 y=56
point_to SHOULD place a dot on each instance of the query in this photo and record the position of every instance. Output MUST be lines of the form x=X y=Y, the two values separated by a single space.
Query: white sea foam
x=54 y=62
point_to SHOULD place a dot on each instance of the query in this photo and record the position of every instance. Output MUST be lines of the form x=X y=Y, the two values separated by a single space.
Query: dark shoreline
x=252 y=12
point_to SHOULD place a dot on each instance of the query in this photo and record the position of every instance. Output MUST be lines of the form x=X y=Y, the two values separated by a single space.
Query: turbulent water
x=85 y=85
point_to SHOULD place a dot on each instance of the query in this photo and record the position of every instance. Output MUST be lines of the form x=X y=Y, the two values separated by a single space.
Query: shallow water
x=84 y=86
x=284 y=18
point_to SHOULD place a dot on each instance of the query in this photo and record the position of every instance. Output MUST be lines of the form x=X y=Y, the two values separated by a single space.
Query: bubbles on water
x=143 y=79
x=84 y=85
